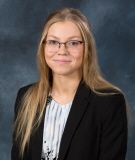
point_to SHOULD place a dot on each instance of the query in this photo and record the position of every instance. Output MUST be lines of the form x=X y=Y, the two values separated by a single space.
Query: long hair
x=34 y=100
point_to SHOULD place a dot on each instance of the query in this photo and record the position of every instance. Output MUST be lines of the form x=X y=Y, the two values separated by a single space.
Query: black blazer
x=96 y=128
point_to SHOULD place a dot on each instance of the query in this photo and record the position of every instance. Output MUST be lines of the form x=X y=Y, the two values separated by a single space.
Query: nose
x=62 y=49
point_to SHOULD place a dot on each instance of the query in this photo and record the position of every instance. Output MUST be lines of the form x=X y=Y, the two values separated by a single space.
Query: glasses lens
x=52 y=45
x=73 y=44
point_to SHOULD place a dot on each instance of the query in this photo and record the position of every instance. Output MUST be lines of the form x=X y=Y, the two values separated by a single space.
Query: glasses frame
x=64 y=43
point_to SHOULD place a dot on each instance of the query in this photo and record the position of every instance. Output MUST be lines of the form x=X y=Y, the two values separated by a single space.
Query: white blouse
x=55 y=120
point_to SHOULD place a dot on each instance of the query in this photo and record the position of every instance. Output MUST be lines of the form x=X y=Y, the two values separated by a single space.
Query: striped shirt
x=55 y=120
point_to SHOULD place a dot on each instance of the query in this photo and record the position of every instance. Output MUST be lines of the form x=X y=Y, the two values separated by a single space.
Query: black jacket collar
x=78 y=108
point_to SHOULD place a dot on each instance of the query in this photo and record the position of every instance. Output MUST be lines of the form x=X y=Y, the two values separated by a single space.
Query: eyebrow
x=71 y=37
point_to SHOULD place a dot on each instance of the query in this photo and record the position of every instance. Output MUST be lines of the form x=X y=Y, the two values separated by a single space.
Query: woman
x=72 y=112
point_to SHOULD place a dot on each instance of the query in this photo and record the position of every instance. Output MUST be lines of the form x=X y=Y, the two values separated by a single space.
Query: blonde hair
x=34 y=100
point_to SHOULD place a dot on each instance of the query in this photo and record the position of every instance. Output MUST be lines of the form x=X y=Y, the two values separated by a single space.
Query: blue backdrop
x=21 y=24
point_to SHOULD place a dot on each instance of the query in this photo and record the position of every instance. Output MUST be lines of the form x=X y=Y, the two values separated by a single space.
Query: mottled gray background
x=21 y=23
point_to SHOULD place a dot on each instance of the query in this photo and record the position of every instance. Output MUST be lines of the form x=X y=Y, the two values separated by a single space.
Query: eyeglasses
x=53 y=45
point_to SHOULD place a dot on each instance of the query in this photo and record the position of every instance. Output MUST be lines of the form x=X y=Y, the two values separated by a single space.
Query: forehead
x=64 y=29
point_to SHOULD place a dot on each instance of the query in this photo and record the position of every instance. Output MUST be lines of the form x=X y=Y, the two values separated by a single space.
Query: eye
x=52 y=42
x=73 y=43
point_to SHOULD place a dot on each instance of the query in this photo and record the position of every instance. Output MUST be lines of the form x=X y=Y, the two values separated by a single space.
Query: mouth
x=62 y=61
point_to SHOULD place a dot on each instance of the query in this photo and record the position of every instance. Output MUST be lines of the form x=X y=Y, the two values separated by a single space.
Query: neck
x=64 y=88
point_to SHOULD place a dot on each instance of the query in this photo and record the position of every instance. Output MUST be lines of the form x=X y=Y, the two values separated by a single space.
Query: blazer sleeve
x=114 y=129
x=15 y=146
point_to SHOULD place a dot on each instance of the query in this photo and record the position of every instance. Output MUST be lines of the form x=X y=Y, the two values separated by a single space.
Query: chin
x=63 y=72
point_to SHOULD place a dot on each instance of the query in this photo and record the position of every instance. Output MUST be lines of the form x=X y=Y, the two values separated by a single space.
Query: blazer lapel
x=78 y=108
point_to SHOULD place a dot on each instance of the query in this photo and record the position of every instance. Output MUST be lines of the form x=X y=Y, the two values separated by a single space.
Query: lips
x=62 y=61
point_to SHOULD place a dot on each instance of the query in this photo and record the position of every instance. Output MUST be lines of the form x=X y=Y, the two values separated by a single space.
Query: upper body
x=96 y=126
x=96 y=129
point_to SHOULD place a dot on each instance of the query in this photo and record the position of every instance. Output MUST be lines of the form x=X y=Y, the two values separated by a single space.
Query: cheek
x=48 y=55
x=79 y=56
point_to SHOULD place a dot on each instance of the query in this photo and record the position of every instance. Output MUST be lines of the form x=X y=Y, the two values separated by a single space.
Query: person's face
x=64 y=59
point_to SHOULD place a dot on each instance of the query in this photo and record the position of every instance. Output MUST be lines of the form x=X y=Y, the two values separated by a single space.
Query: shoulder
x=109 y=97
x=110 y=105
x=23 y=89
x=102 y=96
x=20 y=94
